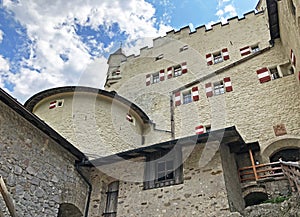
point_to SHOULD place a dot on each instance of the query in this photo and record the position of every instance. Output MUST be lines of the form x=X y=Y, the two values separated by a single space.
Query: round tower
x=97 y=122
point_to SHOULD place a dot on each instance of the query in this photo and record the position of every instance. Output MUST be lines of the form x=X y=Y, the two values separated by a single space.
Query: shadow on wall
x=68 y=210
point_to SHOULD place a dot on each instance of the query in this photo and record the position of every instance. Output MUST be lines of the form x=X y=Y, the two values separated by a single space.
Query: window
x=293 y=8
x=207 y=128
x=112 y=199
x=254 y=48
x=286 y=69
x=187 y=97
x=159 y=57
x=155 y=78
x=165 y=171
x=185 y=47
x=274 y=73
x=177 y=71
x=163 y=168
x=60 y=103
x=219 y=88
x=217 y=58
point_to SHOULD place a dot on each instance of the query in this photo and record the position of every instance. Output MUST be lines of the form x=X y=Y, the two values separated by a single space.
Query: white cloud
x=220 y=12
x=51 y=26
x=1 y=35
x=225 y=10
x=4 y=70
x=231 y=10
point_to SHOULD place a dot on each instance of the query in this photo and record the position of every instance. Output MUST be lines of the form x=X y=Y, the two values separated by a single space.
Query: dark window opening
x=293 y=8
x=255 y=198
x=274 y=73
x=159 y=57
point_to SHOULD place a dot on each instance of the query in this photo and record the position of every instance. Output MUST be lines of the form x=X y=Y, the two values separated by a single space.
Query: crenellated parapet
x=185 y=32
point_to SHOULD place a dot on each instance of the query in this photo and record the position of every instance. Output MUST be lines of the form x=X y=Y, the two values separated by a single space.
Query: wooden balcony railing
x=292 y=171
x=261 y=172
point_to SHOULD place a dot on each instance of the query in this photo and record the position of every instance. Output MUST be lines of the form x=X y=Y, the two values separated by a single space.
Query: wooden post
x=7 y=199
x=253 y=164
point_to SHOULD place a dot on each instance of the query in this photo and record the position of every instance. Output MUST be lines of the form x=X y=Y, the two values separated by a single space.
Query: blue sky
x=46 y=44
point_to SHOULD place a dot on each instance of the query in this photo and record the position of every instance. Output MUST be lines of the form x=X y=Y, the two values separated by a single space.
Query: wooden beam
x=253 y=164
x=7 y=199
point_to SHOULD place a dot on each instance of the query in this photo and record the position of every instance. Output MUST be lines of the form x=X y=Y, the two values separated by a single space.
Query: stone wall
x=202 y=193
x=39 y=174
x=253 y=107
x=289 y=25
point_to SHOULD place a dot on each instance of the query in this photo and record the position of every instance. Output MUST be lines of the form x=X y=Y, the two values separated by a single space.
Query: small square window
x=219 y=88
x=155 y=78
x=187 y=97
x=60 y=103
x=274 y=73
x=177 y=71
x=255 y=49
x=218 y=58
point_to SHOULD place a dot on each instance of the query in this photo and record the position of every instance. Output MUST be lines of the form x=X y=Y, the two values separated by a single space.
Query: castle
x=193 y=126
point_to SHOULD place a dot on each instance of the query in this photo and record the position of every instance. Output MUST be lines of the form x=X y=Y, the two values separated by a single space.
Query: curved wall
x=95 y=122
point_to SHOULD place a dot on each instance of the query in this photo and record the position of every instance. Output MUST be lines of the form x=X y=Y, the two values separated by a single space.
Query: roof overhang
x=224 y=136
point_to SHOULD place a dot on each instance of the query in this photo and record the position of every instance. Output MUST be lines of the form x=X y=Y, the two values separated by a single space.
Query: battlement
x=185 y=32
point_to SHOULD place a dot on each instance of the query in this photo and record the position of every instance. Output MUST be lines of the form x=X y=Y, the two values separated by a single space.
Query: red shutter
x=263 y=75
x=209 y=59
x=148 y=80
x=170 y=72
x=184 y=67
x=293 y=58
x=299 y=75
x=225 y=54
x=162 y=75
x=227 y=84
x=199 y=130
x=52 y=105
x=195 y=93
x=177 y=99
x=245 y=51
x=129 y=118
x=209 y=90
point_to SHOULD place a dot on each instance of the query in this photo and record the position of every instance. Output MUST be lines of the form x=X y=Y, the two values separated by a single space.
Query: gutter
x=87 y=205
